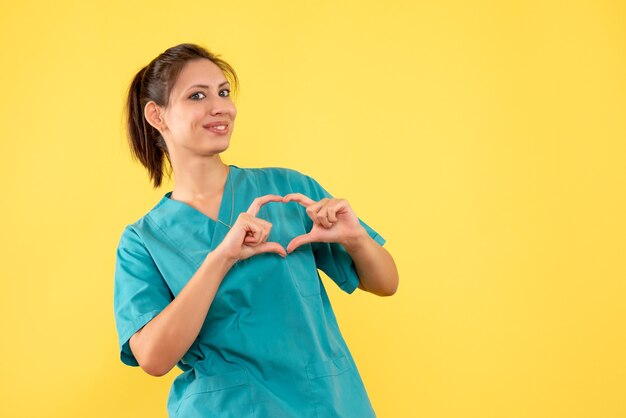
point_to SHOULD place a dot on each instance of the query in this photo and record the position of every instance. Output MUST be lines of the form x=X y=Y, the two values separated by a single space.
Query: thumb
x=298 y=241
x=270 y=247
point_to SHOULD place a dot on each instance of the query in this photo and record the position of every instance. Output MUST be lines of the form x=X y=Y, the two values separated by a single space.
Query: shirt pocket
x=338 y=390
x=221 y=396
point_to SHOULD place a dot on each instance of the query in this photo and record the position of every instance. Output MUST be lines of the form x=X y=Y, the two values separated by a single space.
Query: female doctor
x=220 y=277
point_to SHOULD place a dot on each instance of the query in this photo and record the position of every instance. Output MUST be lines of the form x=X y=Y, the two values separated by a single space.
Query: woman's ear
x=153 y=115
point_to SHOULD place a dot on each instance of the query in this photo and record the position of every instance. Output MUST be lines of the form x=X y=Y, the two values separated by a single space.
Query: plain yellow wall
x=484 y=141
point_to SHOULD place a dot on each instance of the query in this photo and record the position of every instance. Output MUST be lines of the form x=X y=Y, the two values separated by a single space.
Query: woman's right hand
x=248 y=235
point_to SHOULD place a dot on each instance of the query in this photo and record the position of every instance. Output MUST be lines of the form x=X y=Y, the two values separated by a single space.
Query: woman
x=220 y=277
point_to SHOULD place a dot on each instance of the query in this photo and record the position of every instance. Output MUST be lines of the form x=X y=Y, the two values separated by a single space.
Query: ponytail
x=146 y=143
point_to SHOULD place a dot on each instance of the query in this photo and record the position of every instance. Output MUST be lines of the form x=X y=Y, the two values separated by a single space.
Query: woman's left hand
x=333 y=221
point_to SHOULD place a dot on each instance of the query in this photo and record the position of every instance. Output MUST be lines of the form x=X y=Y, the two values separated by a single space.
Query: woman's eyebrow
x=204 y=86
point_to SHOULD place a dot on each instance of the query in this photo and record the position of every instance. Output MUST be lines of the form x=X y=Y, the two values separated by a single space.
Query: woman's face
x=200 y=115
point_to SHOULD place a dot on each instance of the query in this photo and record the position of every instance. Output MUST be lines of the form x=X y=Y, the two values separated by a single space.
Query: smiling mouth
x=218 y=127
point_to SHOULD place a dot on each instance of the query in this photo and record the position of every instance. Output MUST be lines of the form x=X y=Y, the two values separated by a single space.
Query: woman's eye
x=227 y=92
x=196 y=96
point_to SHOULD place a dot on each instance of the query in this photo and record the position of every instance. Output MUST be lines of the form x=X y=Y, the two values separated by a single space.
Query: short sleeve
x=140 y=292
x=332 y=258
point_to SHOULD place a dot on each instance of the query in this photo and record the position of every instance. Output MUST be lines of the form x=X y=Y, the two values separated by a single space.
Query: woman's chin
x=216 y=148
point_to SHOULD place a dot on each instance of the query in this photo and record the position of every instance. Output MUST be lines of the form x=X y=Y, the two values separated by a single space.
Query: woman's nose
x=220 y=105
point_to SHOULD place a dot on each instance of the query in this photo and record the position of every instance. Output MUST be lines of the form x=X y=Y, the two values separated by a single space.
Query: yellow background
x=484 y=141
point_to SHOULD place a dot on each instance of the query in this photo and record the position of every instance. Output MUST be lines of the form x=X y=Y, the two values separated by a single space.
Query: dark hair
x=155 y=82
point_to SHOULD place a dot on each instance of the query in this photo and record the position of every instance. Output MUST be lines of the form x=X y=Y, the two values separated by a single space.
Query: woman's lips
x=220 y=128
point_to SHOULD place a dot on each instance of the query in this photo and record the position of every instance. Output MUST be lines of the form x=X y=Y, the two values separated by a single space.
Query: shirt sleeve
x=332 y=258
x=140 y=292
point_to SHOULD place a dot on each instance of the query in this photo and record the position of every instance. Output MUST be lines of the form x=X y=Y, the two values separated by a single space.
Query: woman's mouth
x=219 y=128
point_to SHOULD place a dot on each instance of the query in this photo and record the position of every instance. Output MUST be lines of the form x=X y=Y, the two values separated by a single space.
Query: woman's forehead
x=200 y=72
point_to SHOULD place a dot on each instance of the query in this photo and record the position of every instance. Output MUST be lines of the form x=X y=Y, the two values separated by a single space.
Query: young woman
x=220 y=277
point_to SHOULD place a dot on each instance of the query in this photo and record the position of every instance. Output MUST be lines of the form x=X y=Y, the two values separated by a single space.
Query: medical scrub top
x=270 y=345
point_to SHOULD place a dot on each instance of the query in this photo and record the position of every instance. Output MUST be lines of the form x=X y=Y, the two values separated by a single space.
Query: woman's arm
x=335 y=221
x=161 y=343
x=375 y=267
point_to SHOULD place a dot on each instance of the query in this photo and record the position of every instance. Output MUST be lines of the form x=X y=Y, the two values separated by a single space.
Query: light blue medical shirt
x=270 y=345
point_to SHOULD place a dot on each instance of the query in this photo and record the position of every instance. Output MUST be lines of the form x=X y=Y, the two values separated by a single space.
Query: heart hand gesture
x=248 y=235
x=333 y=221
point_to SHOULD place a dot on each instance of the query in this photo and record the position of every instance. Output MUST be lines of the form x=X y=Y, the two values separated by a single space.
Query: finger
x=256 y=238
x=254 y=233
x=260 y=201
x=264 y=229
x=313 y=210
x=251 y=241
x=298 y=241
x=298 y=197
x=336 y=206
x=322 y=217
x=312 y=207
x=263 y=233
x=332 y=212
x=271 y=247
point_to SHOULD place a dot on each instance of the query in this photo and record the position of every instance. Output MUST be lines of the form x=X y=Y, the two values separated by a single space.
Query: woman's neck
x=200 y=180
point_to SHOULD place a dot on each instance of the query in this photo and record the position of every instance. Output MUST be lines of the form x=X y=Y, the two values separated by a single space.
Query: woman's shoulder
x=132 y=233
x=139 y=229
